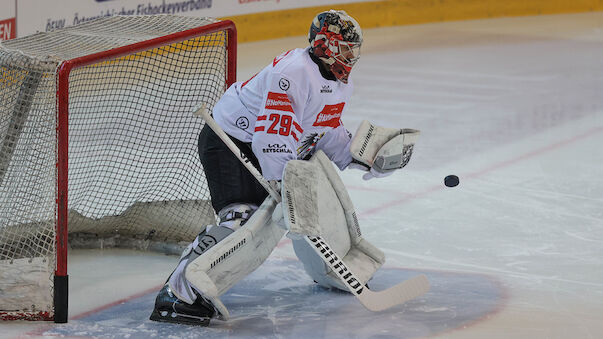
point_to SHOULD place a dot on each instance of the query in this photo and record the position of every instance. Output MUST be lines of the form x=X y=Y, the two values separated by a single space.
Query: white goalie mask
x=336 y=38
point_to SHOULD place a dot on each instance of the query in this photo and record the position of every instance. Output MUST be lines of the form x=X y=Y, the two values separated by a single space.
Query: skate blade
x=178 y=318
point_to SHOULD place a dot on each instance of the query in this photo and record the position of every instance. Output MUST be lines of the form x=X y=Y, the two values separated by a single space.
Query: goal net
x=98 y=137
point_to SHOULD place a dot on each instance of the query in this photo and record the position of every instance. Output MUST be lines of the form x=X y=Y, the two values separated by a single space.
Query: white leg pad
x=232 y=259
x=316 y=203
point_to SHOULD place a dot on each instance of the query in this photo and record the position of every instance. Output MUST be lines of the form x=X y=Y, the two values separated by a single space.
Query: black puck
x=451 y=180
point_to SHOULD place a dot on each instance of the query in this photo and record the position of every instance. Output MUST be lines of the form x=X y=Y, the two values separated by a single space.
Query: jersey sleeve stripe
x=294 y=136
x=262 y=117
x=259 y=129
x=298 y=127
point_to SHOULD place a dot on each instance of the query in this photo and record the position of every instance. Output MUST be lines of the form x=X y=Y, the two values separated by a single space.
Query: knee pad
x=236 y=215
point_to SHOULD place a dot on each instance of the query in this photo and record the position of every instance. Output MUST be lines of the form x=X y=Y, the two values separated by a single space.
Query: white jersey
x=288 y=111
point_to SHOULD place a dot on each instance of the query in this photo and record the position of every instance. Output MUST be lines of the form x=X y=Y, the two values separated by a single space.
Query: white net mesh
x=134 y=171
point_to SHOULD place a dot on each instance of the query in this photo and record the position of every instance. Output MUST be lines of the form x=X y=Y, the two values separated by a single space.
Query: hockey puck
x=451 y=181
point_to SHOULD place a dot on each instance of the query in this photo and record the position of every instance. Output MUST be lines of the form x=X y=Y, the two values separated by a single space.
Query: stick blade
x=395 y=295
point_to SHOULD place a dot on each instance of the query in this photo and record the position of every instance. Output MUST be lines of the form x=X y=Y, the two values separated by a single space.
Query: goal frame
x=62 y=132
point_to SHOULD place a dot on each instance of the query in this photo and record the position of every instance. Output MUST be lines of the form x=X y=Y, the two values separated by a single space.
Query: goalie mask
x=335 y=37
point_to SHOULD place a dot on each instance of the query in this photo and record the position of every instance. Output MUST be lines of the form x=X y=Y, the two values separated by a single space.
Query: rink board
x=279 y=300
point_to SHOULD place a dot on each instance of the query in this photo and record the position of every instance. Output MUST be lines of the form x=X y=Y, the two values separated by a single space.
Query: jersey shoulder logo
x=283 y=84
x=242 y=123
x=330 y=116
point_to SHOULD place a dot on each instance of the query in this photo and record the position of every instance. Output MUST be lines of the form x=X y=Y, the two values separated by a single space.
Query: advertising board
x=8 y=21
x=45 y=15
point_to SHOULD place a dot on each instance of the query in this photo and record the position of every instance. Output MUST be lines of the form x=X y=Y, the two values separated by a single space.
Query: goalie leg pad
x=233 y=258
x=232 y=217
x=203 y=242
x=316 y=203
x=314 y=266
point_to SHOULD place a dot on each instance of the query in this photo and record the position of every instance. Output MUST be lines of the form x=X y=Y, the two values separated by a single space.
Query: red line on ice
x=117 y=302
x=47 y=327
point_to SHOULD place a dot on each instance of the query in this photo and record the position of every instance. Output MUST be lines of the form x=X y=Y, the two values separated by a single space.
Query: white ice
x=512 y=106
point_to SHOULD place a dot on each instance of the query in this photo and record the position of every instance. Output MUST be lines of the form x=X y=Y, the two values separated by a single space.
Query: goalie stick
x=372 y=300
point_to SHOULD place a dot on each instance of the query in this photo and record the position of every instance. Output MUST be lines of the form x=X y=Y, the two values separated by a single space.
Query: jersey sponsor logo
x=279 y=102
x=242 y=123
x=330 y=116
x=326 y=89
x=276 y=148
x=283 y=84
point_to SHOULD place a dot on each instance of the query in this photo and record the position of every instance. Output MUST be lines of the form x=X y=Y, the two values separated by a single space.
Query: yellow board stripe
x=296 y=22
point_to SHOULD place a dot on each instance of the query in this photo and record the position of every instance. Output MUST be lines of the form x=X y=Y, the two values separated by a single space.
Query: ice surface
x=513 y=107
x=280 y=300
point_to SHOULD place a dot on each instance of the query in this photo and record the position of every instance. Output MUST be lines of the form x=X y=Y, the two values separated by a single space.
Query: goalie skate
x=168 y=308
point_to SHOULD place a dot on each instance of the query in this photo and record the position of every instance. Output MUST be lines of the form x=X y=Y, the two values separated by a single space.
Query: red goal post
x=124 y=91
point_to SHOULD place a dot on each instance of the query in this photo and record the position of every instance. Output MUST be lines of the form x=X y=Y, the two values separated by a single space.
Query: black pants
x=228 y=180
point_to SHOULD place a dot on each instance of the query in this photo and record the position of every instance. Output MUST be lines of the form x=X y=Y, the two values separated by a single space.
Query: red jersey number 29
x=282 y=122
